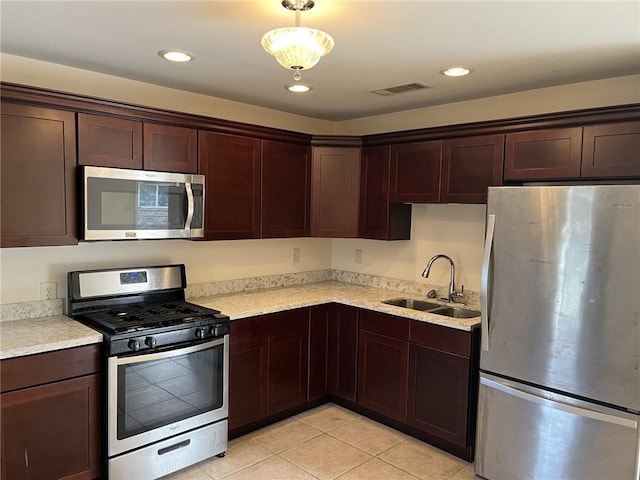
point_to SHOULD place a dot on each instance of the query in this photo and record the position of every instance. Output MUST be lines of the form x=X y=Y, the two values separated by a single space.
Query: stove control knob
x=150 y=342
x=200 y=333
x=134 y=345
x=213 y=331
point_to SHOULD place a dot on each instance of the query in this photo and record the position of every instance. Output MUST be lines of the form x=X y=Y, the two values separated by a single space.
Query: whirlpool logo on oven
x=130 y=234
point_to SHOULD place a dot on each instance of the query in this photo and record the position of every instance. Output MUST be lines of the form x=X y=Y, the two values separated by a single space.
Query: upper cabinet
x=469 y=166
x=38 y=191
x=457 y=170
x=380 y=219
x=335 y=192
x=231 y=166
x=597 y=151
x=286 y=189
x=415 y=172
x=117 y=142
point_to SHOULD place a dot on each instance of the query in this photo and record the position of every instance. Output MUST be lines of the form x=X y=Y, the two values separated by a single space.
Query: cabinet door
x=247 y=380
x=287 y=377
x=343 y=351
x=415 y=172
x=231 y=166
x=335 y=192
x=38 y=185
x=380 y=219
x=438 y=398
x=109 y=141
x=543 y=154
x=286 y=189
x=52 y=431
x=170 y=149
x=611 y=150
x=469 y=166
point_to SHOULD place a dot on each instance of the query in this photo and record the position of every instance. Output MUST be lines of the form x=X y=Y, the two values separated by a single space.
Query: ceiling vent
x=407 y=87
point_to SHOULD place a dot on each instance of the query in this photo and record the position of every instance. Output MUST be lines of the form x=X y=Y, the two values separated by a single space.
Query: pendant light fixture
x=297 y=48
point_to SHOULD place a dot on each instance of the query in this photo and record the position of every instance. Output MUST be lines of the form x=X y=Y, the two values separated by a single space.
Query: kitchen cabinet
x=335 y=192
x=267 y=366
x=440 y=391
x=333 y=351
x=122 y=143
x=611 y=150
x=37 y=170
x=50 y=410
x=470 y=165
x=231 y=165
x=379 y=218
x=415 y=172
x=383 y=353
x=286 y=189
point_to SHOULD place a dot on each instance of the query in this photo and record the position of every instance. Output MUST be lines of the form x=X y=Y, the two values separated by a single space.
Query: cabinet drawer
x=384 y=324
x=268 y=325
x=441 y=338
x=49 y=367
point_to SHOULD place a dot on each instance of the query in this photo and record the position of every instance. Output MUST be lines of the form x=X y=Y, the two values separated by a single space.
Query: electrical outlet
x=48 y=291
x=358 y=257
x=295 y=258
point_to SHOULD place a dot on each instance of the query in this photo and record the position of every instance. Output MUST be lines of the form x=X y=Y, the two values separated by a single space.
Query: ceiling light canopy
x=456 y=71
x=297 y=48
x=298 y=87
x=176 y=55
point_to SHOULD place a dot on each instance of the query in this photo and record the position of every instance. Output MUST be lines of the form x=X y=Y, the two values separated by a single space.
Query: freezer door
x=561 y=289
x=526 y=433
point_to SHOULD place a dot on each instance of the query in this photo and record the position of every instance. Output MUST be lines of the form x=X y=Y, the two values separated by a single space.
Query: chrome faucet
x=453 y=295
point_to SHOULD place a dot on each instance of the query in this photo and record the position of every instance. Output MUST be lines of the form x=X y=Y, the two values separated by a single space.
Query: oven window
x=160 y=392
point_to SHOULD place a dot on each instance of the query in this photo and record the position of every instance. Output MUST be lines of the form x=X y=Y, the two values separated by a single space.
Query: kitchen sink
x=455 y=312
x=420 y=305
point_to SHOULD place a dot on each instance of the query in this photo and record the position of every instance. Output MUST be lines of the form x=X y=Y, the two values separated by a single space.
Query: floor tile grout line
x=400 y=468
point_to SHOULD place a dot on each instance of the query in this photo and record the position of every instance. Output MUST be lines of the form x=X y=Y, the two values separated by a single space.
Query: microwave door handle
x=190 y=206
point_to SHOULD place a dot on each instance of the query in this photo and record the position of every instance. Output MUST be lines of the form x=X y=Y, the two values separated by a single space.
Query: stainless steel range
x=166 y=368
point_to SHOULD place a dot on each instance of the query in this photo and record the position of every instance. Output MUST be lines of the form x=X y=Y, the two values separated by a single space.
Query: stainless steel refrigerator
x=560 y=362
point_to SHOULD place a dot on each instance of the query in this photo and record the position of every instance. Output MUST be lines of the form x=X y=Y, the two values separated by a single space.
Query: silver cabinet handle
x=484 y=283
x=190 y=207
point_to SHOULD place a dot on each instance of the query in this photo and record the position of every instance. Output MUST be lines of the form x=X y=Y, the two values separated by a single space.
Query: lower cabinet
x=267 y=366
x=50 y=410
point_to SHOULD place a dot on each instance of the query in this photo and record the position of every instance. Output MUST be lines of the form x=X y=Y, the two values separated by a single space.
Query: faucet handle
x=458 y=296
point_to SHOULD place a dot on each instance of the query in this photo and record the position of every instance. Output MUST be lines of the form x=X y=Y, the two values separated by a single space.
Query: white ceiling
x=510 y=45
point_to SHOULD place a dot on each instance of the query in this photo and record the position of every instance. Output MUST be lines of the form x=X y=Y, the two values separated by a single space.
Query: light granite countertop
x=43 y=334
x=260 y=302
x=29 y=336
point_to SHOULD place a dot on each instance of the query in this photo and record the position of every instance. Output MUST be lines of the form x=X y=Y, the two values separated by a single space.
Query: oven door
x=121 y=204
x=158 y=395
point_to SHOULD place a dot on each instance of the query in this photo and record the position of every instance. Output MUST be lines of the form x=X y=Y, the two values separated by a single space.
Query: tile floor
x=325 y=443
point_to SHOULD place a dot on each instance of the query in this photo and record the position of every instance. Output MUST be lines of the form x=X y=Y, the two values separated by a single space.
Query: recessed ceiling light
x=176 y=55
x=298 y=87
x=456 y=71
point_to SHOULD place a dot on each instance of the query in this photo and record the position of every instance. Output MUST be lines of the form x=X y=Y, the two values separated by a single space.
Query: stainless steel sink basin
x=455 y=312
x=412 y=304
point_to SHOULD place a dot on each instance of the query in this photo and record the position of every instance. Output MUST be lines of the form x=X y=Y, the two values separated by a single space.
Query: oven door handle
x=168 y=353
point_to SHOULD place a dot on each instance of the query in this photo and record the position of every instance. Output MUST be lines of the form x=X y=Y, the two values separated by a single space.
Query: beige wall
x=456 y=230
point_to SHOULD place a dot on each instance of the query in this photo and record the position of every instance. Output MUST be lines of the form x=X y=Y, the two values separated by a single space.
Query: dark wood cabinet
x=109 y=141
x=543 y=154
x=170 y=149
x=286 y=189
x=335 y=192
x=383 y=354
x=415 y=172
x=439 y=391
x=469 y=166
x=37 y=170
x=50 y=418
x=267 y=366
x=610 y=151
x=379 y=218
x=333 y=351
x=231 y=166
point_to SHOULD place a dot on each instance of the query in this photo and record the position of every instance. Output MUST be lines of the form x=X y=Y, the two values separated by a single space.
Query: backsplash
x=46 y=308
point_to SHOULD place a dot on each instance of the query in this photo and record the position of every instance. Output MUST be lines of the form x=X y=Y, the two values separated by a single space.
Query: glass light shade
x=297 y=48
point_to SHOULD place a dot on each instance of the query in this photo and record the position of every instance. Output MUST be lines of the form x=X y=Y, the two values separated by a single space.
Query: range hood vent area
x=407 y=87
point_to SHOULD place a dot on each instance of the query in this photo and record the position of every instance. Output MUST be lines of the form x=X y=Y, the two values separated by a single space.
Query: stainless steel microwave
x=121 y=204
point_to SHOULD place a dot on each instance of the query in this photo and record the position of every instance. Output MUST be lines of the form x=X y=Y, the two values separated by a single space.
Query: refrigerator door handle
x=484 y=283
x=579 y=411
